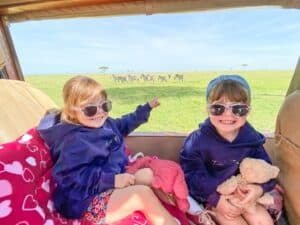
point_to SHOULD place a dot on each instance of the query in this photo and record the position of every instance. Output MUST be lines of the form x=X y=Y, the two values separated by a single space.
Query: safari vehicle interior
x=19 y=98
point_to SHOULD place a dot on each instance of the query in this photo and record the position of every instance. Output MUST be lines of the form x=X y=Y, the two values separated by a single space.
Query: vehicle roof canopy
x=12 y=11
x=23 y=10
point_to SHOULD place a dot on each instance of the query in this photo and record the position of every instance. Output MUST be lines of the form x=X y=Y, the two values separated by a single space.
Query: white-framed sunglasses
x=92 y=109
x=237 y=109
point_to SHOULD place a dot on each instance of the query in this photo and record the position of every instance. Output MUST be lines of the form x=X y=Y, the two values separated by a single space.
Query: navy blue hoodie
x=208 y=159
x=86 y=160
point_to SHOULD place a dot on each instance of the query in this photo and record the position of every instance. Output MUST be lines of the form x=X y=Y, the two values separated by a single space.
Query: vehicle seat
x=287 y=143
x=22 y=106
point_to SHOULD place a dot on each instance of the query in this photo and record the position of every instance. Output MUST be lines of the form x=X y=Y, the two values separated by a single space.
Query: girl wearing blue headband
x=212 y=153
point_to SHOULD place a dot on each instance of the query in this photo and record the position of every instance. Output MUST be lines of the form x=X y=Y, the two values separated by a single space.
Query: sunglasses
x=238 y=109
x=92 y=110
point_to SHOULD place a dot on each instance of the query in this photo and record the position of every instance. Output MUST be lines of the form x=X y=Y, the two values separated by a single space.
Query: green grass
x=182 y=103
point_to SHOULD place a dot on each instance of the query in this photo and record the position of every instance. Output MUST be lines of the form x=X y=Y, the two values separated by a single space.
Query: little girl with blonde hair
x=88 y=151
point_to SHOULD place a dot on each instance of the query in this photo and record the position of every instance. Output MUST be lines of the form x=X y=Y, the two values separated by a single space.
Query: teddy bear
x=252 y=170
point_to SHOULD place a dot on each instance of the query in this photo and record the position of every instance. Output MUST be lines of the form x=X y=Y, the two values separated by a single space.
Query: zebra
x=178 y=77
x=162 y=78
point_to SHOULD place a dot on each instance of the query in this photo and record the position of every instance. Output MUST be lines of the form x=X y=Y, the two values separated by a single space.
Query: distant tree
x=103 y=68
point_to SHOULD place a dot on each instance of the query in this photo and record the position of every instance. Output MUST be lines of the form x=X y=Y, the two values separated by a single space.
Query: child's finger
x=245 y=200
x=240 y=193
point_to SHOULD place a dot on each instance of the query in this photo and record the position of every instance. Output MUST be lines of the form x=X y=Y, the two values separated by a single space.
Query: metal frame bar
x=12 y=65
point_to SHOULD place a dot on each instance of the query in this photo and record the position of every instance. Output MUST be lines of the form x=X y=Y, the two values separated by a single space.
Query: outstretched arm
x=131 y=121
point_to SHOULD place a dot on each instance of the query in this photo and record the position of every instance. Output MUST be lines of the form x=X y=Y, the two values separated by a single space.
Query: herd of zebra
x=147 y=77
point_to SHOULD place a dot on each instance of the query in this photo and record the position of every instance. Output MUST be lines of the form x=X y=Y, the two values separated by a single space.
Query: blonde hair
x=231 y=89
x=76 y=91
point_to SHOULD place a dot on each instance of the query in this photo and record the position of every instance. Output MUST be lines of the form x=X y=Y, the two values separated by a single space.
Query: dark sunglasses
x=91 y=110
x=237 y=109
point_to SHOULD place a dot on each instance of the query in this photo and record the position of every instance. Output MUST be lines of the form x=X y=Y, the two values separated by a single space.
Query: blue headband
x=237 y=78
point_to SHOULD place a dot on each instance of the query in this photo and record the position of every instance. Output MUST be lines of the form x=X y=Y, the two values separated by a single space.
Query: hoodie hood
x=51 y=127
x=247 y=136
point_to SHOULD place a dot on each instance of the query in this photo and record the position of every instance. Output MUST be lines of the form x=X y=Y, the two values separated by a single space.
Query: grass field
x=182 y=103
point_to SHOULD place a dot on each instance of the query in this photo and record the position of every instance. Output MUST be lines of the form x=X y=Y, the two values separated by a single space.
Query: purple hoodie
x=208 y=159
x=86 y=160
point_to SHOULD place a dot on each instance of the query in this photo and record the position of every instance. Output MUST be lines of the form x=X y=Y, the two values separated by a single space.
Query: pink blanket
x=168 y=176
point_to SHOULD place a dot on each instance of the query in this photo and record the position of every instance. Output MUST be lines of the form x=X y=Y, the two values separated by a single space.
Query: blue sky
x=261 y=38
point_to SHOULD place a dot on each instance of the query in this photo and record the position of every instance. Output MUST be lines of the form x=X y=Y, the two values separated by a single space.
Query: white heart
x=15 y=168
x=31 y=161
x=50 y=206
x=49 y=222
x=46 y=185
x=25 y=138
x=6 y=188
x=5 y=208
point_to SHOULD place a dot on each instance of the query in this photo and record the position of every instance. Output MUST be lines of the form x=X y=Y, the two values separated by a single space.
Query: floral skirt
x=96 y=211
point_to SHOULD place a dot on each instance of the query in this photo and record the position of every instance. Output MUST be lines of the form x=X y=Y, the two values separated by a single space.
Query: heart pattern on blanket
x=6 y=188
x=15 y=168
x=31 y=161
x=28 y=175
x=25 y=138
x=5 y=208
x=32 y=148
x=46 y=186
x=29 y=203
x=49 y=222
x=23 y=223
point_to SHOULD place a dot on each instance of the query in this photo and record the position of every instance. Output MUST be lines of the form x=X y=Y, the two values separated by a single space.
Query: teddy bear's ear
x=275 y=171
x=257 y=170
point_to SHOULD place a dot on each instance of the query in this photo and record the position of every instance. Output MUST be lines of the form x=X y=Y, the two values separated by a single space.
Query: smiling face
x=80 y=92
x=233 y=99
